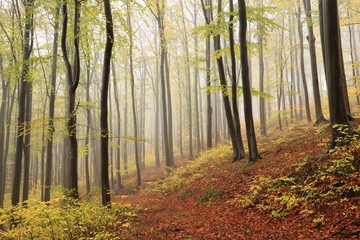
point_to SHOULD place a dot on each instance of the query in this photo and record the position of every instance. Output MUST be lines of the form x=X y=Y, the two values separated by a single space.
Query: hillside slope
x=296 y=191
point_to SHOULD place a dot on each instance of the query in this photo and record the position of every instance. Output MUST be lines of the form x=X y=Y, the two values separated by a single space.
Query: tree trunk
x=250 y=130
x=164 y=78
x=105 y=187
x=27 y=152
x=261 y=83
x=226 y=100
x=302 y=66
x=5 y=91
x=118 y=152
x=73 y=77
x=137 y=157
x=15 y=193
x=234 y=97
x=51 y=129
x=341 y=128
x=313 y=63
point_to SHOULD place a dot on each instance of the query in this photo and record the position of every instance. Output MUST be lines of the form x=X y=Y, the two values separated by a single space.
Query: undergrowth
x=193 y=171
x=323 y=180
x=66 y=219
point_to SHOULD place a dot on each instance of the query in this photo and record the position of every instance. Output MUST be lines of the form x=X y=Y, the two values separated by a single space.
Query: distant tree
x=341 y=127
x=51 y=92
x=132 y=81
x=302 y=64
x=208 y=17
x=314 y=72
x=165 y=85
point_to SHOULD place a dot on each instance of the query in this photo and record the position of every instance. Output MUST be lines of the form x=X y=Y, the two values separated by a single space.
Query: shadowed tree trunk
x=341 y=128
x=24 y=81
x=250 y=130
x=105 y=187
x=234 y=97
x=226 y=100
x=73 y=77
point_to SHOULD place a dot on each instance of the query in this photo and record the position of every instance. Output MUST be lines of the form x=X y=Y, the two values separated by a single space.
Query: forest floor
x=296 y=191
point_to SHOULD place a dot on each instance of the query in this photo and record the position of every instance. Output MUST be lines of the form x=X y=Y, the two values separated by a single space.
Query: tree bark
x=234 y=97
x=341 y=128
x=15 y=193
x=302 y=66
x=250 y=130
x=137 y=157
x=313 y=63
x=51 y=129
x=105 y=187
x=73 y=77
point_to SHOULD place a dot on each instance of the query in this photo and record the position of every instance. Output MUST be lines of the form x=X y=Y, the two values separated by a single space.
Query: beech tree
x=105 y=188
x=73 y=77
x=341 y=127
x=250 y=130
x=24 y=82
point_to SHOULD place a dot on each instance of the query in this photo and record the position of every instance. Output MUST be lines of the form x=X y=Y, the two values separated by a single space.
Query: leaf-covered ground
x=296 y=191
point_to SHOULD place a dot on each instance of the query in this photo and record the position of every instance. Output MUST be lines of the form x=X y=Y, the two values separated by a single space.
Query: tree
x=208 y=16
x=315 y=78
x=51 y=92
x=105 y=188
x=73 y=77
x=132 y=81
x=302 y=66
x=24 y=81
x=341 y=127
x=234 y=96
x=250 y=130
x=226 y=100
x=165 y=86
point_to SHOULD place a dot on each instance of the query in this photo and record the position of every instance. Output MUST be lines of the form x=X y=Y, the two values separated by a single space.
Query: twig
x=340 y=230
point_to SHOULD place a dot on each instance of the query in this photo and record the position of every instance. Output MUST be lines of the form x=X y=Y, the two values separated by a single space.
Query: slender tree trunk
x=302 y=65
x=196 y=89
x=27 y=152
x=250 y=130
x=314 y=72
x=234 y=97
x=5 y=91
x=73 y=77
x=51 y=128
x=226 y=100
x=27 y=47
x=105 y=187
x=118 y=153
x=165 y=88
x=261 y=83
x=137 y=157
